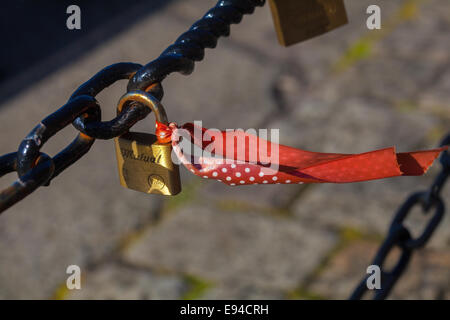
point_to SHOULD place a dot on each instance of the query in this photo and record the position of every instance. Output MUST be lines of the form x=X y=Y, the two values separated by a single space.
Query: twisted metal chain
x=400 y=237
x=36 y=168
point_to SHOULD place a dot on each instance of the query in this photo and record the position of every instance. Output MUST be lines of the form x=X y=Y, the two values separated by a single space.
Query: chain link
x=35 y=168
x=400 y=237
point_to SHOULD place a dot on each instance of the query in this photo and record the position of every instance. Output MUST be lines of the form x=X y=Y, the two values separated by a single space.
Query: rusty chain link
x=36 y=168
x=400 y=237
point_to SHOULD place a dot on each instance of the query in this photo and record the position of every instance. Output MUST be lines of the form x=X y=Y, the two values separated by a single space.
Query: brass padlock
x=299 y=20
x=144 y=163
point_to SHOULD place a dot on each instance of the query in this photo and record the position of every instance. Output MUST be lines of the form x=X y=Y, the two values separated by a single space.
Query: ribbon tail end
x=417 y=163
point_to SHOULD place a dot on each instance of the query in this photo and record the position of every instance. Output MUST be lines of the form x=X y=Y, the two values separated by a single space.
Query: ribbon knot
x=164 y=132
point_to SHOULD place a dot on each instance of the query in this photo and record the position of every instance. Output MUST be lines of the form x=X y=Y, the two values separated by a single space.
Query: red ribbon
x=293 y=165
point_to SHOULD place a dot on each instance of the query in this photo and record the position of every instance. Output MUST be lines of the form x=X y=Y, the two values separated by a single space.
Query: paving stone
x=422 y=36
x=355 y=116
x=344 y=271
x=408 y=60
x=236 y=291
x=352 y=125
x=265 y=197
x=114 y=281
x=231 y=247
x=425 y=278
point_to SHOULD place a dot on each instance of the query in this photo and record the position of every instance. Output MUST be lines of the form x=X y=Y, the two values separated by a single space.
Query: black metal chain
x=399 y=236
x=35 y=168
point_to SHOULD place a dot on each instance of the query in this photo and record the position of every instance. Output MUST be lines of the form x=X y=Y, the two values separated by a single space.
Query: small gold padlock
x=144 y=163
x=300 y=20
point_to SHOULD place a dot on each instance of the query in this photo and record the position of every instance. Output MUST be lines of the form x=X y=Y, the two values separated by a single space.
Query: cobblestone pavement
x=349 y=91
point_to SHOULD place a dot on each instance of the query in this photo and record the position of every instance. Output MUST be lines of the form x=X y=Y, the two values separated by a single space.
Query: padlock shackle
x=146 y=99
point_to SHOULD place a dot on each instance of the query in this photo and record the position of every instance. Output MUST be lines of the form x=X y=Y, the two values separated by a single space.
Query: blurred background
x=349 y=91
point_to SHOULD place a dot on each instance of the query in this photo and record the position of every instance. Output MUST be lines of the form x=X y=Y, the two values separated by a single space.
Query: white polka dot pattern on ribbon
x=235 y=173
